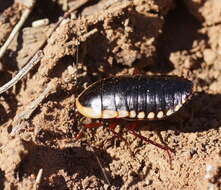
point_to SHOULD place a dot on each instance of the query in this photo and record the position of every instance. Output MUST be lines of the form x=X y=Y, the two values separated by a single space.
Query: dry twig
x=102 y=168
x=20 y=120
x=38 y=56
x=78 y=5
x=16 y=29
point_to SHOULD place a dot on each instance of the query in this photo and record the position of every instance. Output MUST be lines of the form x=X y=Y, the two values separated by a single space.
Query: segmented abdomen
x=137 y=97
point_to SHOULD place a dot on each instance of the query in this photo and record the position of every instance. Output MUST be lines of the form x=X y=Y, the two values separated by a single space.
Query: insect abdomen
x=137 y=97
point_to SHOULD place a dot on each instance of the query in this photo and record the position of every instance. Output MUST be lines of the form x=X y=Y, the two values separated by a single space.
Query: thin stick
x=26 y=114
x=15 y=30
x=38 y=56
x=99 y=163
x=34 y=104
x=78 y=5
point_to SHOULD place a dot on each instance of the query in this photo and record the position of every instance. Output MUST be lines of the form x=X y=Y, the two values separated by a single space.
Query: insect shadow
x=74 y=161
x=7 y=100
x=2 y=179
x=200 y=114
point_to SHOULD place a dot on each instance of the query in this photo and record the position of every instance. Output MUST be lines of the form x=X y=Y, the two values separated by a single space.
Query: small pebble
x=209 y=170
x=71 y=70
x=148 y=182
x=41 y=22
x=189 y=63
x=209 y=56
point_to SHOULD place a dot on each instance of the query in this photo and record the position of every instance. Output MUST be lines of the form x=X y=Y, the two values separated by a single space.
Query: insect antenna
x=78 y=122
x=76 y=64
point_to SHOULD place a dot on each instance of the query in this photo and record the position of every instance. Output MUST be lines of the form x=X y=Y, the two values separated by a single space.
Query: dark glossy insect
x=135 y=97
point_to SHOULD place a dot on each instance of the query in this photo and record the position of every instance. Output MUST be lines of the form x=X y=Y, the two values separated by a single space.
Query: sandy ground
x=104 y=38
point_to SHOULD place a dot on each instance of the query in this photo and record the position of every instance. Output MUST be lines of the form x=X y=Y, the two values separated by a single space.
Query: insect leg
x=93 y=125
x=132 y=128
x=89 y=126
x=112 y=127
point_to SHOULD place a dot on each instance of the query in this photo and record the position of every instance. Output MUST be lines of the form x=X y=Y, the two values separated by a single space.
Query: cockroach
x=137 y=97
